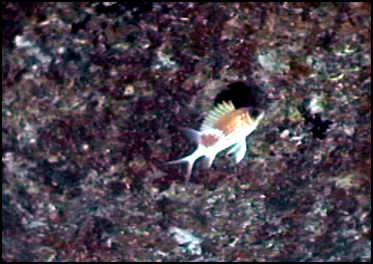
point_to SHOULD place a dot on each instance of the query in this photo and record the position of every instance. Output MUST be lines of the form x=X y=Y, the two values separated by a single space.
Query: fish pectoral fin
x=233 y=149
x=238 y=151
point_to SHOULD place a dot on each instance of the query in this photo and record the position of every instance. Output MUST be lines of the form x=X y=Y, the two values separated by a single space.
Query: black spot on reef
x=75 y=27
x=136 y=9
x=326 y=39
x=319 y=126
x=71 y=55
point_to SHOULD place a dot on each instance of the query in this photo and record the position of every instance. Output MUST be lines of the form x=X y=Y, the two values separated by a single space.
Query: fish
x=224 y=127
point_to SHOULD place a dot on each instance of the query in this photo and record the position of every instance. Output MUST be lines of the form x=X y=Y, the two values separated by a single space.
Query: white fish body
x=223 y=127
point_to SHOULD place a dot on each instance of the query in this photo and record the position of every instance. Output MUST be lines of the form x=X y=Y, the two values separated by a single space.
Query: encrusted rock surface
x=93 y=94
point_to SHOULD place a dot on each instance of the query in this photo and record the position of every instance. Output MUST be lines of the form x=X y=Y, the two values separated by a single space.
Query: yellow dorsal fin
x=216 y=113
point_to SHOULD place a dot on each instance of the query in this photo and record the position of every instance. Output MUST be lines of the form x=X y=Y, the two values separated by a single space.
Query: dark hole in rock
x=243 y=94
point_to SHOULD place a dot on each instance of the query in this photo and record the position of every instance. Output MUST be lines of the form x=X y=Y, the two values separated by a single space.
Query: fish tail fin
x=191 y=134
